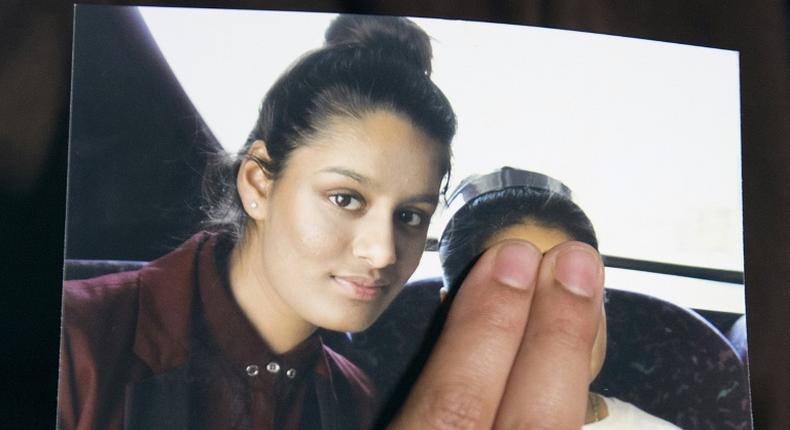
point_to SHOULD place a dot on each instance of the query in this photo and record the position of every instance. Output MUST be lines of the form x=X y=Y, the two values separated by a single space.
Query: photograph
x=270 y=215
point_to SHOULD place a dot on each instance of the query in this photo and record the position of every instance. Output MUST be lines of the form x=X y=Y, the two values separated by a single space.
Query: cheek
x=410 y=250
x=305 y=229
x=312 y=236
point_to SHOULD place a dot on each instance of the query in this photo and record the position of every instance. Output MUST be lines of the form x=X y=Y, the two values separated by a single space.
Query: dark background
x=35 y=54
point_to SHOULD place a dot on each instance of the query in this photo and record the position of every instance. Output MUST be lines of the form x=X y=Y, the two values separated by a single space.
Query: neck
x=274 y=320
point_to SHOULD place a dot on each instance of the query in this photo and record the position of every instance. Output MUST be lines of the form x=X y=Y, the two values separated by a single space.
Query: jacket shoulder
x=92 y=300
x=96 y=359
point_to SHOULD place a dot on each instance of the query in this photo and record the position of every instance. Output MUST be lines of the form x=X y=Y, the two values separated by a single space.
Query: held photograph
x=270 y=216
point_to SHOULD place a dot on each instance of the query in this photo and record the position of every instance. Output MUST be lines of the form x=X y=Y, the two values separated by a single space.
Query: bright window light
x=646 y=133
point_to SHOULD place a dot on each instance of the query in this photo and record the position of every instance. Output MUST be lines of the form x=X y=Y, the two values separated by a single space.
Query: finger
x=466 y=374
x=549 y=381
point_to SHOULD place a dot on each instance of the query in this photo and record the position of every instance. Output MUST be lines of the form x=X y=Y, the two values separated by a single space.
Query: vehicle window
x=646 y=134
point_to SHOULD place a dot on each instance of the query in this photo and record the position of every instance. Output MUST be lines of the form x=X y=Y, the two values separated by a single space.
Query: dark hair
x=477 y=221
x=368 y=63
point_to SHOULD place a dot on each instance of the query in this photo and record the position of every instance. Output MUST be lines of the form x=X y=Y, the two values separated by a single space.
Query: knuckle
x=455 y=406
x=499 y=313
x=499 y=320
x=565 y=333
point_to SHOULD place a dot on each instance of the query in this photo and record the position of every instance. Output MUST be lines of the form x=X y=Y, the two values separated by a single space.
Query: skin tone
x=355 y=227
x=471 y=380
x=545 y=238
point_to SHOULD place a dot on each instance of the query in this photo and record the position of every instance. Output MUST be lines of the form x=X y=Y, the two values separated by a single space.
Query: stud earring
x=254 y=205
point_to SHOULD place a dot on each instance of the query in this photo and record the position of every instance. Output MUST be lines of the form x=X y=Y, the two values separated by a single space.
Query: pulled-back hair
x=367 y=64
x=481 y=218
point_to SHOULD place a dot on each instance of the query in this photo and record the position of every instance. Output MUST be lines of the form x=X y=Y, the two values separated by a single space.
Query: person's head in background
x=514 y=204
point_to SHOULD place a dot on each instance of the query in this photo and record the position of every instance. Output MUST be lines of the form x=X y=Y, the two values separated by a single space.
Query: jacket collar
x=162 y=340
x=166 y=294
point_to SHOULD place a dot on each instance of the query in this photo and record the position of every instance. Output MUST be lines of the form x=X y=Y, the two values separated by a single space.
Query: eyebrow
x=364 y=180
x=425 y=198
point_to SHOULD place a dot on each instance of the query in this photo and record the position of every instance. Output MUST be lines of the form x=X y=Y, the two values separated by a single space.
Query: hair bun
x=385 y=35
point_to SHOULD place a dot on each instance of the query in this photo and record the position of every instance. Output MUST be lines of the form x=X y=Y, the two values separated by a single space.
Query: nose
x=375 y=241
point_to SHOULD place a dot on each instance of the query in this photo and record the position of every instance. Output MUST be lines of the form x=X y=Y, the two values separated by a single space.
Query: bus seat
x=661 y=357
x=737 y=336
x=85 y=269
x=671 y=362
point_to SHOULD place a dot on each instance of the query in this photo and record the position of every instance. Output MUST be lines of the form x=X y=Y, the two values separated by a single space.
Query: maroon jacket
x=127 y=348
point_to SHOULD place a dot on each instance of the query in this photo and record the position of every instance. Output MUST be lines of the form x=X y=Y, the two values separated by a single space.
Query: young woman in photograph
x=317 y=223
x=514 y=204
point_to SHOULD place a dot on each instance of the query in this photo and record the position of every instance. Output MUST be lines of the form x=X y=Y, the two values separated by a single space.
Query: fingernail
x=579 y=271
x=515 y=265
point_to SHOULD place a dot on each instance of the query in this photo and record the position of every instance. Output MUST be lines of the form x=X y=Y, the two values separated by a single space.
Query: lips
x=360 y=287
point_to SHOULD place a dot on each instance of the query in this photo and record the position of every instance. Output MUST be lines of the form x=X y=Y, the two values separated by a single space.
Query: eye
x=346 y=201
x=411 y=218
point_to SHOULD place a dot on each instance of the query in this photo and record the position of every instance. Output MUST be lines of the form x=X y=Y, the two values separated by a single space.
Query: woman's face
x=344 y=226
x=545 y=238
